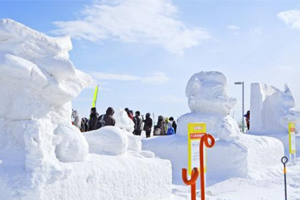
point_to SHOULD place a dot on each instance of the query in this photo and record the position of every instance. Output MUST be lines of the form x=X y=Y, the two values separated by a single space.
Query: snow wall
x=44 y=157
x=234 y=154
x=270 y=112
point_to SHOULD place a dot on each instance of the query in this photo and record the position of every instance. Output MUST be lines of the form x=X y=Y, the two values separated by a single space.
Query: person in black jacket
x=106 y=119
x=138 y=123
x=93 y=119
x=174 y=125
x=109 y=119
x=148 y=125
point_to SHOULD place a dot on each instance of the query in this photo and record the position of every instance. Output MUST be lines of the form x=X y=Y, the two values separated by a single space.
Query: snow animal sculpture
x=272 y=109
x=209 y=102
x=37 y=84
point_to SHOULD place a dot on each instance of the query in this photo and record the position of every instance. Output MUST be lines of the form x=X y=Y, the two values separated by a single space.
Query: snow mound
x=108 y=140
x=127 y=125
x=246 y=157
x=72 y=147
x=123 y=121
x=272 y=109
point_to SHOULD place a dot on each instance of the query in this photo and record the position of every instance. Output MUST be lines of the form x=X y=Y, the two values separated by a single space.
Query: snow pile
x=234 y=154
x=127 y=125
x=272 y=109
x=43 y=156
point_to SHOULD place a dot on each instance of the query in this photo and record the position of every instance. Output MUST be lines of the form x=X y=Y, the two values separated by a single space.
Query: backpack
x=100 y=122
x=170 y=131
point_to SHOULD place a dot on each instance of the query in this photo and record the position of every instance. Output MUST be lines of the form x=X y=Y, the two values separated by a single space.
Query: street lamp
x=242 y=83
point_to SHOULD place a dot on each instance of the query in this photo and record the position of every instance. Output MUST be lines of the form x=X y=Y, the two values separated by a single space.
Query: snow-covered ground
x=268 y=188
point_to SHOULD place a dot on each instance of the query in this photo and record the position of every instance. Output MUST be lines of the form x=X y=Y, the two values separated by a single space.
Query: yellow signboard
x=195 y=133
x=292 y=137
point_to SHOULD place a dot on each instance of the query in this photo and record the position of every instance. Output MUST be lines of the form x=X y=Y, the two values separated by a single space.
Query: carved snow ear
x=287 y=90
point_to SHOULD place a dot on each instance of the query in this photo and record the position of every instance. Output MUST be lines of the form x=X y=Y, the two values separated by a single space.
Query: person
x=247 y=115
x=138 y=123
x=148 y=125
x=77 y=121
x=166 y=124
x=84 y=125
x=159 y=129
x=129 y=113
x=174 y=125
x=93 y=119
x=106 y=119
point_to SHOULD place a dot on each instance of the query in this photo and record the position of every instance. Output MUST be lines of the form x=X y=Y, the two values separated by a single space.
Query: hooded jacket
x=108 y=117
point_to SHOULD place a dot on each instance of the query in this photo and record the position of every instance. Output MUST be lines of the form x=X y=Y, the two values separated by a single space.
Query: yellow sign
x=195 y=132
x=292 y=137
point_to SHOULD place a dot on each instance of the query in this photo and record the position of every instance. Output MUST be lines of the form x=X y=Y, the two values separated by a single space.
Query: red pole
x=204 y=141
x=192 y=182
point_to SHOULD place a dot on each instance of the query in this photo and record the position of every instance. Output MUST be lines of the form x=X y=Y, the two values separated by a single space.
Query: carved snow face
x=207 y=93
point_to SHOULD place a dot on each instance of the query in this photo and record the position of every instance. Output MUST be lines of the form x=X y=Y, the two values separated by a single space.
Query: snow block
x=100 y=177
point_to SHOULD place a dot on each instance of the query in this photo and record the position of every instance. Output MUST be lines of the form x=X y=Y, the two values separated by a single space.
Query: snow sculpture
x=37 y=83
x=209 y=102
x=43 y=156
x=234 y=154
x=272 y=109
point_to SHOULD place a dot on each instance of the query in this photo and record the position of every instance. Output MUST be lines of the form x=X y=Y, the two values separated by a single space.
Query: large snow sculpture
x=44 y=157
x=37 y=83
x=272 y=109
x=234 y=154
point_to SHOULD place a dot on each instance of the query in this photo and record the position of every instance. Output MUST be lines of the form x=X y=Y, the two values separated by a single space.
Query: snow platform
x=100 y=177
x=248 y=156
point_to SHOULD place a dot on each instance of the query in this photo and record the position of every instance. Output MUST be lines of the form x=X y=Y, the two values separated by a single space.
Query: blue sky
x=143 y=52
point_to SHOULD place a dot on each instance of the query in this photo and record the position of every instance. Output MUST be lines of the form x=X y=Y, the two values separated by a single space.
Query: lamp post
x=243 y=123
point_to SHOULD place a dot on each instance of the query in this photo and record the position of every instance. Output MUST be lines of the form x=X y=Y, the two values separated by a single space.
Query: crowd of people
x=164 y=126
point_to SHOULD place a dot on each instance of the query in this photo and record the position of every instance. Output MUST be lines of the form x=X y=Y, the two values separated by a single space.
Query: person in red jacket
x=130 y=115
